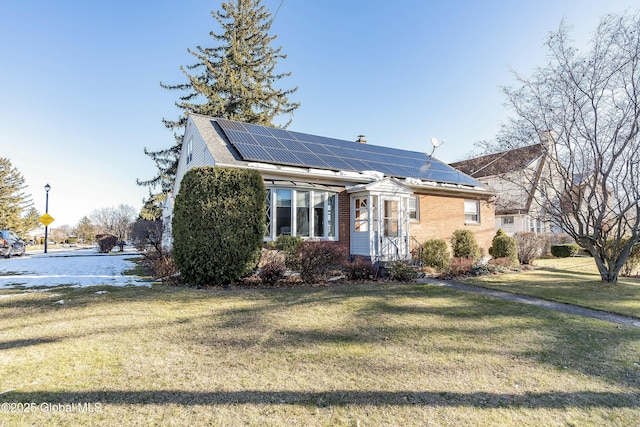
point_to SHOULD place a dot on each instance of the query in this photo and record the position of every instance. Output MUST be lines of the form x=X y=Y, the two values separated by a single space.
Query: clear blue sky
x=80 y=95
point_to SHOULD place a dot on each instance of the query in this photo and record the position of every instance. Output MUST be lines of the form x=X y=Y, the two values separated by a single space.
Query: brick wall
x=344 y=221
x=440 y=216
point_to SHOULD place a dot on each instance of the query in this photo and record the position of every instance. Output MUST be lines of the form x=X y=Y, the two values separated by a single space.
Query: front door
x=393 y=229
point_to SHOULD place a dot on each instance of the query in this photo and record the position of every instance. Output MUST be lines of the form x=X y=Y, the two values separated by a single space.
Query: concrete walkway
x=567 y=308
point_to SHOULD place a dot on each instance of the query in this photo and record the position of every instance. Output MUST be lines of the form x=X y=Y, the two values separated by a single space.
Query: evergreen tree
x=14 y=202
x=85 y=229
x=232 y=80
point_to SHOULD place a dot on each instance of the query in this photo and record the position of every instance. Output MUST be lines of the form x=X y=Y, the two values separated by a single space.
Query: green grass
x=570 y=280
x=346 y=355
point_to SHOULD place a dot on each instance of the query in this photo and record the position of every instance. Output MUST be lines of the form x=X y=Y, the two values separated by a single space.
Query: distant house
x=515 y=176
x=378 y=202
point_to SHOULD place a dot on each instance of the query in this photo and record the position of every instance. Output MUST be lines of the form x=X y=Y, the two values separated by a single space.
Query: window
x=302 y=213
x=413 y=208
x=507 y=220
x=535 y=225
x=318 y=214
x=190 y=150
x=283 y=212
x=267 y=202
x=361 y=214
x=471 y=211
x=391 y=218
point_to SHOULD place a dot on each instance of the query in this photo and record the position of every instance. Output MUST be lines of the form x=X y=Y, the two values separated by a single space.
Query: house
x=378 y=202
x=515 y=176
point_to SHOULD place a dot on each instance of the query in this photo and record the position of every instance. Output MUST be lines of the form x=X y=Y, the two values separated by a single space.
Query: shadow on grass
x=550 y=400
x=25 y=343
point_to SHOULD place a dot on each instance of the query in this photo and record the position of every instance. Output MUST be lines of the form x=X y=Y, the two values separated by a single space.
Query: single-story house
x=378 y=202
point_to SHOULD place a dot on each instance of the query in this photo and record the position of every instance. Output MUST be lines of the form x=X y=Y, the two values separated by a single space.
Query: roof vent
x=361 y=139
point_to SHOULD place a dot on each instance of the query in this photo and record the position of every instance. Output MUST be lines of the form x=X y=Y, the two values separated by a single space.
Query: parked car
x=11 y=244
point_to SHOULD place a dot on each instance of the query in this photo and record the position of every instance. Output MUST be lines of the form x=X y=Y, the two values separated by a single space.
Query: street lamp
x=46 y=211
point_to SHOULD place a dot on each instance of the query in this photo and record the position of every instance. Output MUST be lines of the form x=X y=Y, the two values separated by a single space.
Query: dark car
x=11 y=244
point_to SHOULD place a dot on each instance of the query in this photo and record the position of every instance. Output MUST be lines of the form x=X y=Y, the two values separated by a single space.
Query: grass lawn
x=367 y=354
x=571 y=280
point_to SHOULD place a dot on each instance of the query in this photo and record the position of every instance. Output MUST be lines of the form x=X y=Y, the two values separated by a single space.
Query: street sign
x=46 y=219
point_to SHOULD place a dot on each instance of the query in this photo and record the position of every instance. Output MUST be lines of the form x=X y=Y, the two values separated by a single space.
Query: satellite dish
x=437 y=142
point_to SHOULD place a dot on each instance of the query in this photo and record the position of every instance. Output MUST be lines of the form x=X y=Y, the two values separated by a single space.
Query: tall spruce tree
x=234 y=80
x=15 y=204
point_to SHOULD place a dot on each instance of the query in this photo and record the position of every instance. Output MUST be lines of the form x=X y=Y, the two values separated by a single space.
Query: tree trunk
x=606 y=275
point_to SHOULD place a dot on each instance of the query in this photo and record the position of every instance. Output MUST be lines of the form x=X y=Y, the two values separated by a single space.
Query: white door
x=393 y=229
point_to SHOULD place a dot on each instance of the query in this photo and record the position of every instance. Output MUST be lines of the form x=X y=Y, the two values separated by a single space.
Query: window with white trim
x=507 y=220
x=361 y=214
x=189 y=150
x=472 y=212
x=413 y=208
x=302 y=213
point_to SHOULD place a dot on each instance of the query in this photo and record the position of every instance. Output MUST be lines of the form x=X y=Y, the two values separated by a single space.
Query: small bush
x=106 y=242
x=316 y=259
x=161 y=266
x=479 y=270
x=435 y=254
x=287 y=243
x=401 y=272
x=359 y=269
x=565 y=250
x=501 y=262
x=530 y=246
x=272 y=272
x=504 y=246
x=464 y=245
x=460 y=266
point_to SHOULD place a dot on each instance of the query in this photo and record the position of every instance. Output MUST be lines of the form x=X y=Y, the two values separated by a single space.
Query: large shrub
x=218 y=225
x=106 y=242
x=436 y=254
x=565 y=250
x=316 y=259
x=530 y=245
x=503 y=246
x=463 y=245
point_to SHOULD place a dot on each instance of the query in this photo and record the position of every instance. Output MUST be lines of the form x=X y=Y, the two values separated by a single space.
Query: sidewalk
x=566 y=308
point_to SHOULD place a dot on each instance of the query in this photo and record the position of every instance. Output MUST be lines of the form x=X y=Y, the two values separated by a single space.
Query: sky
x=80 y=94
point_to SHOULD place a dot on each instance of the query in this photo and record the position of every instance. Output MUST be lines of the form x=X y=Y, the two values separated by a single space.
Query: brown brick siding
x=344 y=221
x=440 y=216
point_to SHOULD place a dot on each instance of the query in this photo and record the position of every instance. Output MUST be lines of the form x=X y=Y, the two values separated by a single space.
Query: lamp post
x=46 y=211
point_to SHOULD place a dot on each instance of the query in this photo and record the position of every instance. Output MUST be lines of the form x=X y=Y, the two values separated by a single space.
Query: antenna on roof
x=436 y=143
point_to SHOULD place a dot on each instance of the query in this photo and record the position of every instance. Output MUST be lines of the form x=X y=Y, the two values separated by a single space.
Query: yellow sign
x=46 y=219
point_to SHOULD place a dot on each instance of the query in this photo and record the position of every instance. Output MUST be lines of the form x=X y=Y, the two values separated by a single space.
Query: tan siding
x=440 y=216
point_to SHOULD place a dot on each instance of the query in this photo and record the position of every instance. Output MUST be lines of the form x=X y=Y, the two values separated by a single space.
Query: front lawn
x=572 y=280
x=368 y=354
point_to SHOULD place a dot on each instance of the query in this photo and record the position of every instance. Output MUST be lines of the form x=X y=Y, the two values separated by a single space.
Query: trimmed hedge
x=436 y=254
x=464 y=245
x=218 y=225
x=504 y=246
x=564 y=251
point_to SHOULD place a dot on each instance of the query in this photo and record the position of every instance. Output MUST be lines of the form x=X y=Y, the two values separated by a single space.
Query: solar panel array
x=284 y=147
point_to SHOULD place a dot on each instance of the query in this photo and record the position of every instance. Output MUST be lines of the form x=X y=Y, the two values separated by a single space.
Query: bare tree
x=589 y=101
x=116 y=221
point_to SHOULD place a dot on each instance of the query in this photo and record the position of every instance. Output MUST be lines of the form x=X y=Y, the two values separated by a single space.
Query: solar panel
x=279 y=146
